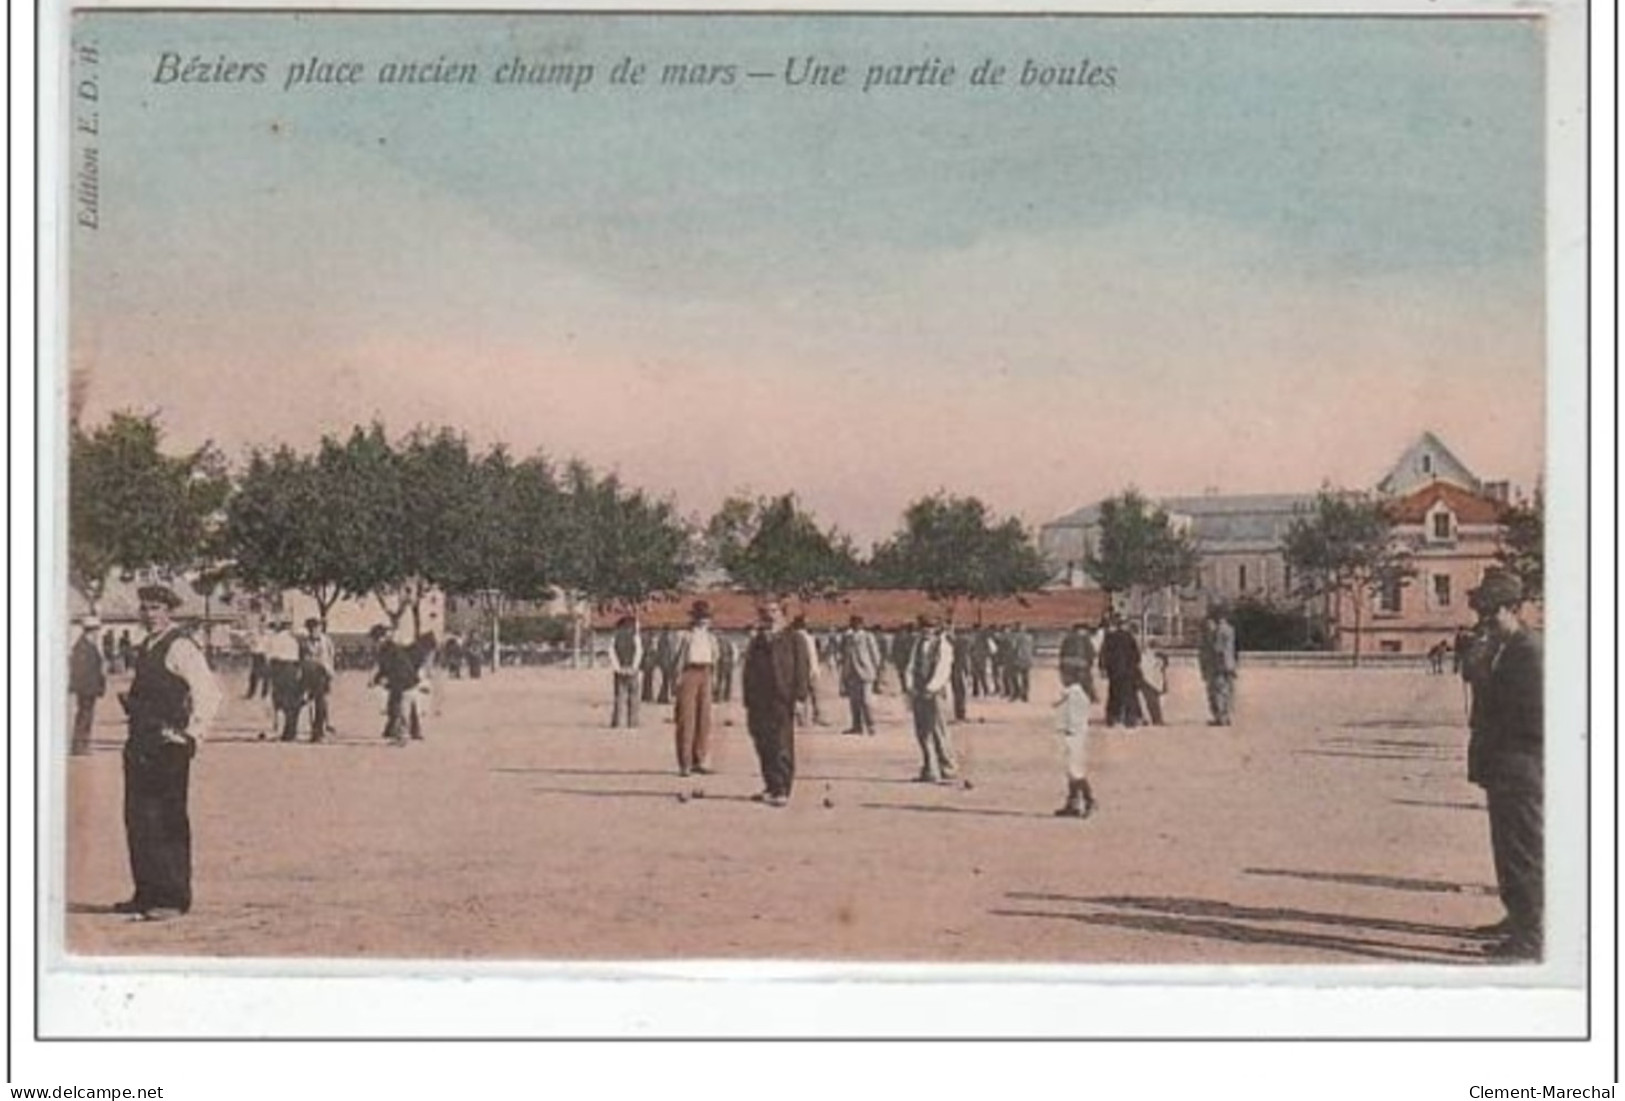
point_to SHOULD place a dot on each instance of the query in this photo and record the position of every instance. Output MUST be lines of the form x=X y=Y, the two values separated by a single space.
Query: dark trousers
x=648 y=693
x=317 y=685
x=287 y=696
x=1123 y=700
x=624 y=706
x=722 y=685
x=399 y=718
x=957 y=686
x=978 y=679
x=773 y=731
x=84 y=717
x=857 y=698
x=1517 y=839
x=259 y=679
x=1021 y=678
x=156 y=825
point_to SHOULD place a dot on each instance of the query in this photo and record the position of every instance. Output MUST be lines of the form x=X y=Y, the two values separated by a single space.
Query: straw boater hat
x=158 y=594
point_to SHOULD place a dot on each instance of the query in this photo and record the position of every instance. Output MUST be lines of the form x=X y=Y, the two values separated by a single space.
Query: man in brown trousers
x=776 y=676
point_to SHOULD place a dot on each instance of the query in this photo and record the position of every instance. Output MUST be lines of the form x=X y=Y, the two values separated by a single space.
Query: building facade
x=1446 y=516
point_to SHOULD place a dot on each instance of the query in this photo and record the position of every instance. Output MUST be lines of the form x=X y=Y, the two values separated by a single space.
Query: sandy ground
x=1331 y=824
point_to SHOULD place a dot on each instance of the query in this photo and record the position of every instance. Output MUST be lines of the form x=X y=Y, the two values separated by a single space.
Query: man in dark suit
x=1505 y=757
x=775 y=680
x=1120 y=661
x=87 y=682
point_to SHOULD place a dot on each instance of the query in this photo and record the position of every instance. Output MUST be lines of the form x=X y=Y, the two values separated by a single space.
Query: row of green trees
x=394 y=518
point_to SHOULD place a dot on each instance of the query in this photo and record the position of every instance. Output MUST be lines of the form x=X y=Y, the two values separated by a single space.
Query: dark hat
x=158 y=594
x=700 y=609
x=378 y=630
x=855 y=621
x=1498 y=589
x=928 y=621
x=312 y=622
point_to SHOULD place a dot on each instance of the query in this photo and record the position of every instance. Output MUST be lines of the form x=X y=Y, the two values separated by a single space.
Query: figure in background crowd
x=259 y=672
x=452 y=656
x=87 y=683
x=397 y=671
x=999 y=656
x=1506 y=757
x=959 y=674
x=625 y=659
x=170 y=704
x=1072 y=721
x=902 y=648
x=860 y=668
x=109 y=653
x=1023 y=650
x=316 y=670
x=126 y=651
x=1120 y=661
x=1152 y=680
x=665 y=664
x=981 y=662
x=722 y=682
x=1216 y=658
x=814 y=712
x=1436 y=654
x=694 y=656
x=775 y=680
x=647 y=666
x=474 y=654
x=282 y=661
x=925 y=681
x=883 y=645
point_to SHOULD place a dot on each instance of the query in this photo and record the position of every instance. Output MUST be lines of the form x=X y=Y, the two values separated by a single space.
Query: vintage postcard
x=1051 y=501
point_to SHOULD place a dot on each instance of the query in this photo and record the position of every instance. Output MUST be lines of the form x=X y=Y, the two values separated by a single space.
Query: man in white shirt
x=316 y=670
x=693 y=658
x=926 y=676
x=170 y=704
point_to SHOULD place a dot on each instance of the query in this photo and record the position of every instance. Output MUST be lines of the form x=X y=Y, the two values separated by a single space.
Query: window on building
x=1441 y=525
x=1390 y=599
x=1241 y=577
x=1427 y=464
x=1390 y=646
x=1441 y=590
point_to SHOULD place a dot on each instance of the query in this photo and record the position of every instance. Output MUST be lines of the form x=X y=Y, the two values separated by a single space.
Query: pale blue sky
x=1275 y=252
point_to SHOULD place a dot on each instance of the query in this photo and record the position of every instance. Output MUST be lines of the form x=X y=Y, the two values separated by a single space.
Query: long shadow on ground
x=927 y=809
x=1358 y=879
x=1221 y=921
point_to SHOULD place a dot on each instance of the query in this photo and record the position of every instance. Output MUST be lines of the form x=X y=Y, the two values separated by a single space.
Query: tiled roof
x=1470 y=508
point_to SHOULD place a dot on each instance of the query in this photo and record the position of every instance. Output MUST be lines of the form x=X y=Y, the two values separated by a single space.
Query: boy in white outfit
x=1072 y=720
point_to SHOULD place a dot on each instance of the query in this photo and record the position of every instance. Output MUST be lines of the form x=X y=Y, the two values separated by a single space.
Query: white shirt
x=702 y=646
x=1072 y=710
x=282 y=646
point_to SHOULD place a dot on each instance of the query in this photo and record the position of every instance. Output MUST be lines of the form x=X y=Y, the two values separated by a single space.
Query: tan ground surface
x=1332 y=824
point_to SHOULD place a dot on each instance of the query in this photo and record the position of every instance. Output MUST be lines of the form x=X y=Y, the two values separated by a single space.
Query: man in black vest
x=170 y=704
x=625 y=658
x=87 y=683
